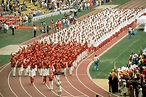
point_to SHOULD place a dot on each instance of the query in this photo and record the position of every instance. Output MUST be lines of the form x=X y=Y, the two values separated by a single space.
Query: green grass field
x=119 y=54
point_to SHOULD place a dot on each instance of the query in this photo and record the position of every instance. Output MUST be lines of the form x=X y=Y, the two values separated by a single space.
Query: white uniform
x=59 y=88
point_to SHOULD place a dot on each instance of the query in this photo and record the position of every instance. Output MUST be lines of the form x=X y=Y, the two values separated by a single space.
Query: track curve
x=77 y=85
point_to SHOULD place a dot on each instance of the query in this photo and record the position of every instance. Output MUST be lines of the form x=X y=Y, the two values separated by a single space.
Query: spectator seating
x=31 y=7
x=10 y=19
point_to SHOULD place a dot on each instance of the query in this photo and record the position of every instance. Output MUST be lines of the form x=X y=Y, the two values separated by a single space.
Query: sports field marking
x=75 y=87
x=68 y=93
x=4 y=66
x=80 y=80
x=52 y=90
x=75 y=96
x=23 y=87
x=1 y=95
x=93 y=81
x=88 y=65
x=10 y=85
x=99 y=56
x=117 y=57
x=7 y=50
x=57 y=94
x=39 y=91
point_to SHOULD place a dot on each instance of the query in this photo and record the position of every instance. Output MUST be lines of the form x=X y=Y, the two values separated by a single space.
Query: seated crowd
x=131 y=79
x=67 y=47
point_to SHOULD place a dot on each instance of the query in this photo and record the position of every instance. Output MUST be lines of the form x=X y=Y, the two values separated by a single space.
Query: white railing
x=51 y=14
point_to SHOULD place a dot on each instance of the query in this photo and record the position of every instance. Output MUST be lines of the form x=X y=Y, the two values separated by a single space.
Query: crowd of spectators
x=130 y=80
x=15 y=7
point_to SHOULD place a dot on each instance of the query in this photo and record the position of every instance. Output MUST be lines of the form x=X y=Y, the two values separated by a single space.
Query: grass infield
x=119 y=54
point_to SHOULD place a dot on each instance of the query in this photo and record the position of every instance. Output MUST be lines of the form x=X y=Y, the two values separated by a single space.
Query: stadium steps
x=31 y=7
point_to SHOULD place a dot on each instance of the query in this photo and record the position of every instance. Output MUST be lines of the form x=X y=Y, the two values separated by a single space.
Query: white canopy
x=142 y=20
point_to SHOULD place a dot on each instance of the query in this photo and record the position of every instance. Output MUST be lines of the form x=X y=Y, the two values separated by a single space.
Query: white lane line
x=52 y=90
x=75 y=96
x=116 y=57
x=1 y=95
x=66 y=90
x=94 y=82
x=75 y=87
x=99 y=56
x=39 y=91
x=23 y=87
x=79 y=78
x=4 y=66
x=90 y=65
x=10 y=85
x=68 y=93
x=56 y=93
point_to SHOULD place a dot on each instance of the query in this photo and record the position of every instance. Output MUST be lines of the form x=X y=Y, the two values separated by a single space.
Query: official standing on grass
x=44 y=27
x=130 y=32
x=34 y=29
x=96 y=62
x=13 y=28
x=48 y=29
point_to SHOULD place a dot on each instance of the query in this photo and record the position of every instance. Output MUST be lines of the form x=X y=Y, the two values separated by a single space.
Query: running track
x=77 y=85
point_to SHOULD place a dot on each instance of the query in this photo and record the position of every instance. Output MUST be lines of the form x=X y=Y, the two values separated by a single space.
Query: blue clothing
x=133 y=32
x=96 y=65
x=45 y=27
x=104 y=1
x=66 y=23
x=130 y=35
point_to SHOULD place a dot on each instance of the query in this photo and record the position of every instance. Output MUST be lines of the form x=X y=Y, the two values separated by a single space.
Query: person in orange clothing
x=32 y=74
x=25 y=66
x=20 y=67
x=130 y=59
x=51 y=78
x=20 y=20
x=13 y=65
x=91 y=5
x=59 y=24
x=45 y=74
x=63 y=66
x=40 y=67
x=144 y=73
x=70 y=66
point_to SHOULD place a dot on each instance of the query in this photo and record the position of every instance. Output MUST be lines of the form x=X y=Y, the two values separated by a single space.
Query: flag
x=115 y=66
